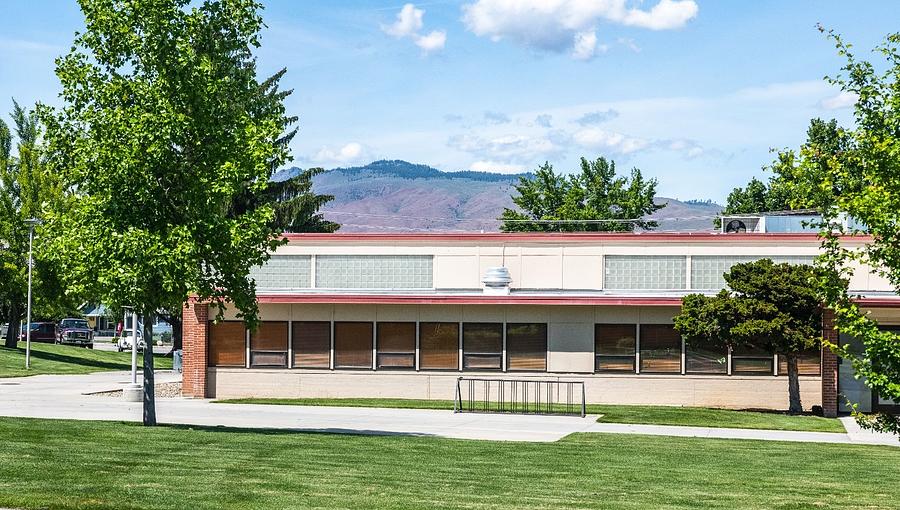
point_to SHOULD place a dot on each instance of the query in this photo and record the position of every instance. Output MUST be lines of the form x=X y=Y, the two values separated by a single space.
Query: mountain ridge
x=395 y=195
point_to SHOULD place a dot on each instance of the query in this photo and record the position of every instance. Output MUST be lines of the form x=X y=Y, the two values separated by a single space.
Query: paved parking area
x=68 y=397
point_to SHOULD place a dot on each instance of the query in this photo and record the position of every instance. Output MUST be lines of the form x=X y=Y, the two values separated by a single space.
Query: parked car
x=124 y=342
x=75 y=332
x=41 y=332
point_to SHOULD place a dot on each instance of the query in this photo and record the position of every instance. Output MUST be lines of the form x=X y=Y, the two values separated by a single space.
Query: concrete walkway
x=68 y=397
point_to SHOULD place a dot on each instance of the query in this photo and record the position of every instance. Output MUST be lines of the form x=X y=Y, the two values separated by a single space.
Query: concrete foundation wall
x=737 y=392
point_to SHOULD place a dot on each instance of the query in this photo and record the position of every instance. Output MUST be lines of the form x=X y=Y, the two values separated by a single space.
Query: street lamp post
x=31 y=222
x=133 y=392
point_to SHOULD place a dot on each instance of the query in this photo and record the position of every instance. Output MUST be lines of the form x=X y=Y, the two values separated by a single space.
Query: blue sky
x=693 y=92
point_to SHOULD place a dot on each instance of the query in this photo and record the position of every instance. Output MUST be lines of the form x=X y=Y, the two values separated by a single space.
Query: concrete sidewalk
x=68 y=397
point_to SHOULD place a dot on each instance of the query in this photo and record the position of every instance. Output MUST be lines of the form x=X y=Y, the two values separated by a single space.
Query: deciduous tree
x=860 y=179
x=596 y=199
x=164 y=124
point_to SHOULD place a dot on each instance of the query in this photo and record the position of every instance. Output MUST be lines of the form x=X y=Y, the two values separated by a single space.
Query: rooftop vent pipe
x=496 y=281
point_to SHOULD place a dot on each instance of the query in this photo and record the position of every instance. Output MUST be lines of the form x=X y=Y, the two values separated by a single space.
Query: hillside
x=389 y=196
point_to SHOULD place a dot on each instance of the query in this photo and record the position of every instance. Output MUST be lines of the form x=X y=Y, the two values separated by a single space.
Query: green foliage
x=165 y=126
x=768 y=306
x=792 y=188
x=552 y=202
x=295 y=205
x=27 y=190
x=859 y=177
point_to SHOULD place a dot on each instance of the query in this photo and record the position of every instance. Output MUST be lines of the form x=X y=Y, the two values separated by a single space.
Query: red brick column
x=829 y=367
x=195 y=325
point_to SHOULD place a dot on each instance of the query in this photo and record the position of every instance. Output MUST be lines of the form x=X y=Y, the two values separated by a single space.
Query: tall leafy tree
x=164 y=125
x=859 y=177
x=596 y=199
x=767 y=306
x=27 y=190
x=789 y=188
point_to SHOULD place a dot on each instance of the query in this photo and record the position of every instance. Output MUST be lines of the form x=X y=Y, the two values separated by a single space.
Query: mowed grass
x=80 y=464
x=67 y=359
x=653 y=415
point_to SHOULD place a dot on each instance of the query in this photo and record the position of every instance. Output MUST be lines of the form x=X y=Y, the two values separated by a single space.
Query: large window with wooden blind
x=439 y=345
x=614 y=346
x=526 y=347
x=482 y=346
x=705 y=360
x=808 y=363
x=660 y=349
x=748 y=360
x=353 y=345
x=396 y=344
x=227 y=344
x=311 y=344
x=269 y=345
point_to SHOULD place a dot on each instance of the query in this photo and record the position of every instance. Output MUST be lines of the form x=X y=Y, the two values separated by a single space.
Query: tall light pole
x=31 y=222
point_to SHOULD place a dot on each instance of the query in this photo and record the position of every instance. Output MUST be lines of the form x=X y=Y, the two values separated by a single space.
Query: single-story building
x=404 y=315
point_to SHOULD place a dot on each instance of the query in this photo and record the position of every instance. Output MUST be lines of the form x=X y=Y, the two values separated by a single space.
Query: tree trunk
x=149 y=387
x=12 y=332
x=796 y=407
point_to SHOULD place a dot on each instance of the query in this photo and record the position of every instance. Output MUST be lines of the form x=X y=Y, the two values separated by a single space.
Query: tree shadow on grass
x=79 y=361
x=293 y=431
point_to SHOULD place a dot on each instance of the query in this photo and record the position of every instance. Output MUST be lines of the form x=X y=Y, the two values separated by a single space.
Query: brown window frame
x=295 y=352
x=644 y=359
x=411 y=353
x=768 y=358
x=209 y=343
x=334 y=343
x=598 y=328
x=426 y=354
x=271 y=352
x=510 y=354
x=483 y=354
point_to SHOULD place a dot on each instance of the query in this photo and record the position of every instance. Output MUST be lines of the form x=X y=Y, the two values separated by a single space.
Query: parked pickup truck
x=75 y=332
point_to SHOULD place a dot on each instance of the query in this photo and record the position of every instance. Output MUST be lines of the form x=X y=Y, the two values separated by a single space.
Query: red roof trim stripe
x=444 y=237
x=467 y=300
x=505 y=300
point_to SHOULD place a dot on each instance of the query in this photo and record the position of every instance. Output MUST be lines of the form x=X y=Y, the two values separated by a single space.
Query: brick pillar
x=195 y=324
x=829 y=367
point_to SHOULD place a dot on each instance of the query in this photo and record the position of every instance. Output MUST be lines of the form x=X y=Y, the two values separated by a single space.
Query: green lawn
x=66 y=359
x=655 y=415
x=80 y=464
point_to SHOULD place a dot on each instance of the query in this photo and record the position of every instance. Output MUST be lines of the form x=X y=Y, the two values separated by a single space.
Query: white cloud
x=629 y=43
x=609 y=141
x=408 y=25
x=492 y=166
x=508 y=149
x=409 y=22
x=597 y=117
x=544 y=120
x=434 y=41
x=843 y=99
x=568 y=25
x=585 y=45
x=496 y=117
x=667 y=14
x=351 y=153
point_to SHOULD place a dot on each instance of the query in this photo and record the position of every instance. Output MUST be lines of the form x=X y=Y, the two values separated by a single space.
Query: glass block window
x=707 y=271
x=283 y=272
x=374 y=271
x=637 y=272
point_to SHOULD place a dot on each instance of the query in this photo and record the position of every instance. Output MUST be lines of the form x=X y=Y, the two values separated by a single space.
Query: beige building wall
x=758 y=392
x=564 y=264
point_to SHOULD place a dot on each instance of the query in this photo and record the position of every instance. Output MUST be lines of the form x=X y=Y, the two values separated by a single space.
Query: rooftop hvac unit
x=496 y=281
x=743 y=224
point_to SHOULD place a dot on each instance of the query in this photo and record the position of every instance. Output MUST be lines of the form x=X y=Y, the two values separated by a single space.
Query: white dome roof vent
x=496 y=281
